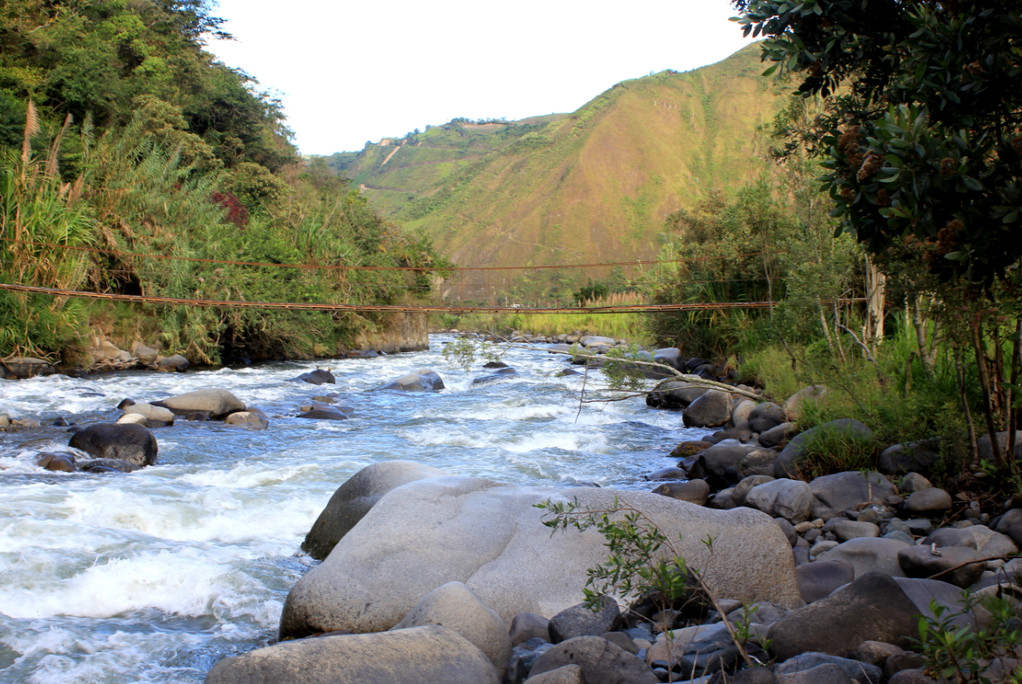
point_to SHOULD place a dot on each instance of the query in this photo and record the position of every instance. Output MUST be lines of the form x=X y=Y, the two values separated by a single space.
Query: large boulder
x=868 y=554
x=212 y=402
x=710 y=409
x=872 y=608
x=122 y=441
x=355 y=497
x=419 y=381
x=425 y=654
x=783 y=498
x=455 y=606
x=675 y=394
x=320 y=376
x=848 y=490
x=491 y=537
x=601 y=662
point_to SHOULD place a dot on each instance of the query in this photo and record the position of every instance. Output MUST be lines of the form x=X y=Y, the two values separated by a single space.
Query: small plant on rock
x=970 y=654
x=643 y=567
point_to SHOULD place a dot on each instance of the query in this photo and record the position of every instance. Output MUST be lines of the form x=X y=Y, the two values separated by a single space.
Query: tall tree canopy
x=923 y=142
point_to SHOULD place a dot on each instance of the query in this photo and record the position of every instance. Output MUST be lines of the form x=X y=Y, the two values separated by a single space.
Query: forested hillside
x=134 y=163
x=595 y=185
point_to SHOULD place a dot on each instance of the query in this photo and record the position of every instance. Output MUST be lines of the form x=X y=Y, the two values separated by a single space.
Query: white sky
x=351 y=72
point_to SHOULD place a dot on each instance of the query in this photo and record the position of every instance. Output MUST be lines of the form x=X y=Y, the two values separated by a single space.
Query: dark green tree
x=922 y=150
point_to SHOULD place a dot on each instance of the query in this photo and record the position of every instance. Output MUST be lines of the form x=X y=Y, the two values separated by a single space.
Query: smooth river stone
x=491 y=537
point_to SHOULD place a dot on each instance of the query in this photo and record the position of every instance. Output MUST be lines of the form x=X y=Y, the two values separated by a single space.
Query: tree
x=925 y=127
x=922 y=147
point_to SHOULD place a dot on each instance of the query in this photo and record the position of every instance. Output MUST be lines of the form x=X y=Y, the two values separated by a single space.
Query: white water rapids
x=155 y=575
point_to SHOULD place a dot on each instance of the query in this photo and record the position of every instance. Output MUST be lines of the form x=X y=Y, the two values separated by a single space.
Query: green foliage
x=642 y=566
x=963 y=653
x=636 y=564
x=925 y=143
x=465 y=351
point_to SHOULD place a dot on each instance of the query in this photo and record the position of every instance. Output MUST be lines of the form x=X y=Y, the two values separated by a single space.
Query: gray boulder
x=819 y=579
x=957 y=565
x=816 y=668
x=788 y=499
x=765 y=416
x=146 y=355
x=320 y=376
x=693 y=491
x=710 y=409
x=868 y=554
x=427 y=654
x=489 y=536
x=581 y=620
x=848 y=490
x=128 y=442
x=354 y=498
x=987 y=453
x=565 y=674
x=60 y=462
x=23 y=367
x=420 y=381
x=873 y=607
x=590 y=341
x=601 y=661
x=456 y=607
x=777 y=434
x=932 y=501
x=669 y=356
x=721 y=463
x=741 y=412
x=213 y=402
x=675 y=394
x=175 y=363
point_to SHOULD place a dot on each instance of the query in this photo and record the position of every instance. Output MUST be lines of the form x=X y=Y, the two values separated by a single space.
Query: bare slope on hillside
x=591 y=186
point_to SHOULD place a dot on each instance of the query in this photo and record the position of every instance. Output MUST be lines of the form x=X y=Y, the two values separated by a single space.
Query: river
x=154 y=576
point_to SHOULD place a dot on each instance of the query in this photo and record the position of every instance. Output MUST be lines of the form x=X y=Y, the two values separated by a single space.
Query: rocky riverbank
x=825 y=579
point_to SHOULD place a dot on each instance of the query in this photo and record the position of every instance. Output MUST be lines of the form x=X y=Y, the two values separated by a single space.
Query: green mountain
x=592 y=186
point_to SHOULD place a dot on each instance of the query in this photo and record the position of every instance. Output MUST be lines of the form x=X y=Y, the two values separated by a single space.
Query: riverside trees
x=922 y=148
x=123 y=143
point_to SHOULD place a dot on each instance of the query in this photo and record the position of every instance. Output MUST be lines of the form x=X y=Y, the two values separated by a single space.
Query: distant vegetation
x=591 y=186
x=124 y=143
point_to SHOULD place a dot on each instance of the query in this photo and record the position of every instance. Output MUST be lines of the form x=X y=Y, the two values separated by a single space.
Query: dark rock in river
x=500 y=374
x=21 y=367
x=62 y=462
x=320 y=376
x=123 y=441
x=107 y=465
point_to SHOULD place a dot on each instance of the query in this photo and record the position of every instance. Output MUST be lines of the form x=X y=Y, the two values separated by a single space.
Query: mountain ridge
x=591 y=186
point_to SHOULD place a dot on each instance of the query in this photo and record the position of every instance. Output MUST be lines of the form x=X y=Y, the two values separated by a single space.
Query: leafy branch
x=642 y=563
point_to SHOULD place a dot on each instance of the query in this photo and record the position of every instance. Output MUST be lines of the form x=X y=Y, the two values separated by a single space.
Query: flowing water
x=153 y=576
